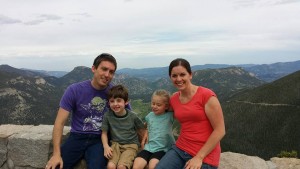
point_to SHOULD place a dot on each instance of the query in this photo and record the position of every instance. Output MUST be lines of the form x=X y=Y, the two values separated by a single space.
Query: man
x=87 y=102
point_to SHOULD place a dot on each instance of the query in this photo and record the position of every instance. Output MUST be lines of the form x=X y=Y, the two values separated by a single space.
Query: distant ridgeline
x=261 y=116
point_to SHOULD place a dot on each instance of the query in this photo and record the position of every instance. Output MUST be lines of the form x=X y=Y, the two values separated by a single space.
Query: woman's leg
x=171 y=160
x=207 y=166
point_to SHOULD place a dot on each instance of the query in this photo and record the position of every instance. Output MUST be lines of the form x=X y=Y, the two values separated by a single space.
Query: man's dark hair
x=104 y=57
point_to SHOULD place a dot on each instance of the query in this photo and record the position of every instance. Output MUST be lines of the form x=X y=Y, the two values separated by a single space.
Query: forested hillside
x=264 y=121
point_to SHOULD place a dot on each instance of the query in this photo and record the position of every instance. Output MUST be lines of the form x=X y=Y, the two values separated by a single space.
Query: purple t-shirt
x=87 y=106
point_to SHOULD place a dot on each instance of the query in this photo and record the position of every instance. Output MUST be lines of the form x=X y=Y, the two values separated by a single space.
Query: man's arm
x=61 y=118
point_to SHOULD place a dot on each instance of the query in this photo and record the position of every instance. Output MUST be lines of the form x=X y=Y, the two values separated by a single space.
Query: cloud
x=43 y=18
x=50 y=17
x=7 y=20
x=261 y=3
x=223 y=31
x=39 y=19
x=34 y=22
x=84 y=14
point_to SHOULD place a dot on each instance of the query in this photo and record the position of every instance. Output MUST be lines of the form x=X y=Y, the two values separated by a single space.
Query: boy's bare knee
x=122 y=167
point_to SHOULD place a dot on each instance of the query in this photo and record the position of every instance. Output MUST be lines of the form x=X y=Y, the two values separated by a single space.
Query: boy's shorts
x=148 y=155
x=123 y=154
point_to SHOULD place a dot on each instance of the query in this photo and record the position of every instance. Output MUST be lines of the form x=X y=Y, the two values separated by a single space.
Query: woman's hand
x=194 y=163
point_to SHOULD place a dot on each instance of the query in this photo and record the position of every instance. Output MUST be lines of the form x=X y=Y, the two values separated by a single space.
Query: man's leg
x=94 y=155
x=72 y=150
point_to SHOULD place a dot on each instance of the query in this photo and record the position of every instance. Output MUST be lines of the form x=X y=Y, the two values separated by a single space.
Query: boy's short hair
x=118 y=91
x=105 y=57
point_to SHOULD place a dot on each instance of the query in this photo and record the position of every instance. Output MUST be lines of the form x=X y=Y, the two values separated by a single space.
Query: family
x=107 y=134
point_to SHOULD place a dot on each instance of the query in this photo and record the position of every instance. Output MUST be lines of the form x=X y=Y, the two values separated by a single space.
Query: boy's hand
x=108 y=152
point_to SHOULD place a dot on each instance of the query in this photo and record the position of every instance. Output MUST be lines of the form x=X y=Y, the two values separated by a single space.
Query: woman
x=202 y=124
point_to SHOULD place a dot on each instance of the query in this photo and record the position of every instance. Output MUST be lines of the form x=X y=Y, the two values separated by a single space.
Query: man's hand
x=53 y=162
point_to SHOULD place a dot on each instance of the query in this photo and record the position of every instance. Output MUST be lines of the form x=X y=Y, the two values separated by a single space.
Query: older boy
x=122 y=125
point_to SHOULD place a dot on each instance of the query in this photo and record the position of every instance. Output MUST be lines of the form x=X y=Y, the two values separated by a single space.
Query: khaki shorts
x=123 y=154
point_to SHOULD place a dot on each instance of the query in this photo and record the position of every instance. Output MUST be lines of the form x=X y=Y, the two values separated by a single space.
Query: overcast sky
x=63 y=34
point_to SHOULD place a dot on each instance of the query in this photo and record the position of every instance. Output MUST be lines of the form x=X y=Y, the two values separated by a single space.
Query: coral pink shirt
x=195 y=126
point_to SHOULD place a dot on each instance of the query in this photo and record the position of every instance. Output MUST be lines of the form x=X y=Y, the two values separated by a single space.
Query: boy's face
x=158 y=105
x=118 y=105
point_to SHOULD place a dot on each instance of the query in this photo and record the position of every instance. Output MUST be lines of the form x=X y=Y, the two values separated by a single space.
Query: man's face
x=103 y=74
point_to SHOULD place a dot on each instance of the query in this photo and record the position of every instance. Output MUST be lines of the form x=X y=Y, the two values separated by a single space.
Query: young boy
x=122 y=124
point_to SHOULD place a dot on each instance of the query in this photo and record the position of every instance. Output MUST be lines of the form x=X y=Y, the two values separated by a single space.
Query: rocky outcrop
x=231 y=160
x=25 y=146
x=30 y=147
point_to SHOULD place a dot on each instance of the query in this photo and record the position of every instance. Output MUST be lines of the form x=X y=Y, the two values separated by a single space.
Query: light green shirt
x=160 y=132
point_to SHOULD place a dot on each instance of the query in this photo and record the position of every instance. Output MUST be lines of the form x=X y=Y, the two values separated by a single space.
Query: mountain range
x=261 y=110
x=265 y=72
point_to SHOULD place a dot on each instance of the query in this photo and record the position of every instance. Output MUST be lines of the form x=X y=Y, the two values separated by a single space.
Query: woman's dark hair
x=105 y=57
x=180 y=62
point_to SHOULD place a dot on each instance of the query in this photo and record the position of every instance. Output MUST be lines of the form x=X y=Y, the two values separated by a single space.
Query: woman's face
x=180 y=77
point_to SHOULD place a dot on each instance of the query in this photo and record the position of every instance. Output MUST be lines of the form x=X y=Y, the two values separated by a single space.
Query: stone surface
x=28 y=151
x=9 y=129
x=286 y=163
x=3 y=150
x=30 y=147
x=5 y=132
x=231 y=160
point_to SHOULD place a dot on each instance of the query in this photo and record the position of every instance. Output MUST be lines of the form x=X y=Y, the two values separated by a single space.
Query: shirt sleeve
x=67 y=101
x=207 y=93
x=139 y=123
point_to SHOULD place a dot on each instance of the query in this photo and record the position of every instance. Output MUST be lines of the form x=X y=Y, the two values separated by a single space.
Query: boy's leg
x=116 y=153
x=128 y=153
